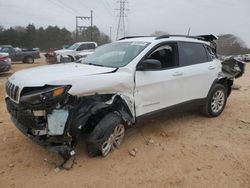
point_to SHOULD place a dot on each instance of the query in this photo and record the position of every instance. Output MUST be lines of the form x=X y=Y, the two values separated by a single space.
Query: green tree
x=98 y=36
x=229 y=44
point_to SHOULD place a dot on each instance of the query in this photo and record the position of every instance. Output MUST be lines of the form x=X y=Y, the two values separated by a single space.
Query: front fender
x=87 y=111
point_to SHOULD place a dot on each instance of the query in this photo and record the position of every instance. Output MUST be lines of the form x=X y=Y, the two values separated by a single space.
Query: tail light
x=5 y=58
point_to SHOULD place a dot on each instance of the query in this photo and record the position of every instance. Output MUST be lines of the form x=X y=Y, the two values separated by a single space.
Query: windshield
x=4 y=49
x=115 y=54
x=73 y=47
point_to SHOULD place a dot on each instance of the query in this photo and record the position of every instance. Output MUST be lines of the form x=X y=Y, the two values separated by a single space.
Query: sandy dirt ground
x=185 y=150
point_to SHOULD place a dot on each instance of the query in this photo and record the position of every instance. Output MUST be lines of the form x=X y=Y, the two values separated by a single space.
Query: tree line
x=50 y=37
x=55 y=37
x=229 y=44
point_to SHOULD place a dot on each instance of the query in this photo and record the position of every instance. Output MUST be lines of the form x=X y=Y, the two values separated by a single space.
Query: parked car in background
x=66 y=46
x=77 y=50
x=17 y=54
x=247 y=58
x=5 y=62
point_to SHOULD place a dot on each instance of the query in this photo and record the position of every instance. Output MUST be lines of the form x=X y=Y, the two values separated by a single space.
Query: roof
x=86 y=43
x=163 y=38
x=5 y=46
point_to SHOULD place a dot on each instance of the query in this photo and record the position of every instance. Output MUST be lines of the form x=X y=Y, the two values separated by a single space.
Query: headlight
x=38 y=95
x=58 y=91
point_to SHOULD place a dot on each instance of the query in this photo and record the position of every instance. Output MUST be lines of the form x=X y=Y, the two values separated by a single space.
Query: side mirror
x=149 y=65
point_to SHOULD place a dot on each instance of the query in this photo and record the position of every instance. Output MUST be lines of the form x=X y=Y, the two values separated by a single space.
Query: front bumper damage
x=58 y=126
x=43 y=127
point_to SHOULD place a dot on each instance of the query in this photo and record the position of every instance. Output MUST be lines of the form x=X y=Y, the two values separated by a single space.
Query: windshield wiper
x=94 y=64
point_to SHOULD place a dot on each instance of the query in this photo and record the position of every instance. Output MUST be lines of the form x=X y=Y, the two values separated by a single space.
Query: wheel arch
x=27 y=56
x=227 y=83
x=88 y=111
x=72 y=58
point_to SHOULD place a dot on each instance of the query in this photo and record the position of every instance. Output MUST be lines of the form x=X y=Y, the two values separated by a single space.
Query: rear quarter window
x=192 y=53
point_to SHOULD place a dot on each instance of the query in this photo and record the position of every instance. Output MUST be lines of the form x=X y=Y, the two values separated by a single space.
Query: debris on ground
x=4 y=139
x=2 y=172
x=11 y=165
x=150 y=141
x=57 y=169
x=244 y=121
x=236 y=87
x=69 y=164
x=163 y=134
x=133 y=152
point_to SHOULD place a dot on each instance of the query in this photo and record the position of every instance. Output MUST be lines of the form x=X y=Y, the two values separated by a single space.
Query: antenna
x=189 y=29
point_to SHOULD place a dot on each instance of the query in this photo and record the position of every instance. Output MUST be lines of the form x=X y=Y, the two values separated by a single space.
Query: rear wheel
x=29 y=60
x=107 y=135
x=216 y=101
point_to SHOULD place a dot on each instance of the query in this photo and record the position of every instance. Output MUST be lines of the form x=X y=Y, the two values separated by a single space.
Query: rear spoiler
x=208 y=38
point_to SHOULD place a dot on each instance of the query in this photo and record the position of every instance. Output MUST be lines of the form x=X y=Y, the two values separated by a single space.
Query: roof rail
x=131 y=37
x=168 y=36
x=208 y=38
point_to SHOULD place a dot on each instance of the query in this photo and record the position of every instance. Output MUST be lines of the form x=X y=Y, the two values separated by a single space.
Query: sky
x=143 y=18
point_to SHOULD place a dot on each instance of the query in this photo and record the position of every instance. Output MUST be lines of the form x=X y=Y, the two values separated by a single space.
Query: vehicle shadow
x=5 y=74
x=146 y=127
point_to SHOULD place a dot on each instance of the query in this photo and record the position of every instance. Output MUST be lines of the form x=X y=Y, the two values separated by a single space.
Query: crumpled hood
x=55 y=74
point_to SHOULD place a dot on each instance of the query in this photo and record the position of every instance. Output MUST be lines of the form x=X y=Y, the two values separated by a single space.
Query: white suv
x=76 y=51
x=112 y=88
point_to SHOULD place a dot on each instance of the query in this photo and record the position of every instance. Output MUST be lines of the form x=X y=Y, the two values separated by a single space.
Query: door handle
x=211 y=67
x=178 y=74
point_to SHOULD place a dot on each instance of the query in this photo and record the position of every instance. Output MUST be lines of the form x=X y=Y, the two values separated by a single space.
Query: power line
x=109 y=5
x=107 y=8
x=121 y=28
x=66 y=6
x=60 y=6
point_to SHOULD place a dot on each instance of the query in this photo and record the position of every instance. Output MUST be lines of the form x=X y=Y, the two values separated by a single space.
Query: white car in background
x=76 y=51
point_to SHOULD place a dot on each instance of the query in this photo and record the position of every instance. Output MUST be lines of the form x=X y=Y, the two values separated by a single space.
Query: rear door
x=199 y=69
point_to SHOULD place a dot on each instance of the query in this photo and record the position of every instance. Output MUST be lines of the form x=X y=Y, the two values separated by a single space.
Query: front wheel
x=107 y=135
x=216 y=101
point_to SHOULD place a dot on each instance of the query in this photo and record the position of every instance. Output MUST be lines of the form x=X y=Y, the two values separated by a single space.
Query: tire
x=29 y=60
x=71 y=59
x=107 y=135
x=216 y=101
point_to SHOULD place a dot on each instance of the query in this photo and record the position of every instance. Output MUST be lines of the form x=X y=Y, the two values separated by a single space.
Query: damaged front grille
x=12 y=90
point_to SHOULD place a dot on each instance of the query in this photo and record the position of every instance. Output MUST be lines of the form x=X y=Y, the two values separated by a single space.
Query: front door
x=161 y=88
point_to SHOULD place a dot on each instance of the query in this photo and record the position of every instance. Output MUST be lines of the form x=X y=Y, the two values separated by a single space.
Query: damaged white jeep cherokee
x=108 y=91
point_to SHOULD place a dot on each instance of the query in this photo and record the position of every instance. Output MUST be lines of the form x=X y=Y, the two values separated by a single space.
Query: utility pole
x=91 y=32
x=79 y=27
x=121 y=28
x=110 y=33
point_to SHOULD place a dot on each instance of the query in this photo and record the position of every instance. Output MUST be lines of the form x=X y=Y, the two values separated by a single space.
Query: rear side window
x=88 y=46
x=192 y=53
x=211 y=53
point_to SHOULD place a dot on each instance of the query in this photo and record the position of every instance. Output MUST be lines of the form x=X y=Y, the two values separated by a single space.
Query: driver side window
x=166 y=54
